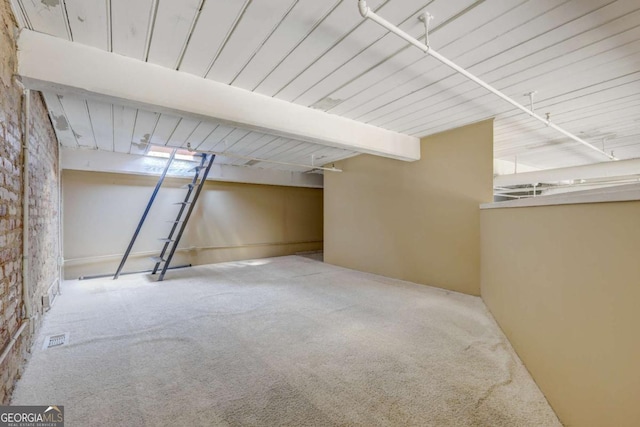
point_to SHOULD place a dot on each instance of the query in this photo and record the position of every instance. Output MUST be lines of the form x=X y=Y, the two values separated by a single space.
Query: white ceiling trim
x=96 y=74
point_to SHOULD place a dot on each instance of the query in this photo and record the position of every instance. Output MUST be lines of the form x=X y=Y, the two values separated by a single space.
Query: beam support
x=49 y=63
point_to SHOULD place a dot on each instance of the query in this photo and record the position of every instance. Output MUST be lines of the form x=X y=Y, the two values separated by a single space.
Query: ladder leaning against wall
x=171 y=241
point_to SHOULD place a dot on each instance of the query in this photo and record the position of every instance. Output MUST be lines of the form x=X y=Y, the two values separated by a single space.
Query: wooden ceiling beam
x=52 y=64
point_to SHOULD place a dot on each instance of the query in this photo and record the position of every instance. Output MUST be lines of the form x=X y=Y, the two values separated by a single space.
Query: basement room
x=320 y=213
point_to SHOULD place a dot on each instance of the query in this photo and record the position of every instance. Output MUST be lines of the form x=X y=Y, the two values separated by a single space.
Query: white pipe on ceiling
x=367 y=13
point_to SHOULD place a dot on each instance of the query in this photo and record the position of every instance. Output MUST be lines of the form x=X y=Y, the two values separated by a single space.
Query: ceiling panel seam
x=113 y=129
x=153 y=13
x=424 y=58
x=24 y=18
x=66 y=117
x=595 y=91
x=507 y=125
x=65 y=18
x=135 y=122
x=361 y=56
x=338 y=67
x=575 y=36
x=290 y=145
x=457 y=57
x=313 y=156
x=519 y=44
x=396 y=53
x=109 y=27
x=296 y=151
x=190 y=133
x=183 y=50
x=208 y=135
x=257 y=49
x=539 y=104
x=546 y=106
x=344 y=36
x=93 y=131
x=217 y=141
x=268 y=146
x=303 y=154
x=311 y=30
x=255 y=149
x=227 y=37
x=172 y=132
x=521 y=123
x=419 y=117
x=427 y=96
x=587 y=94
x=565 y=53
x=224 y=142
x=229 y=147
x=133 y=130
x=252 y=147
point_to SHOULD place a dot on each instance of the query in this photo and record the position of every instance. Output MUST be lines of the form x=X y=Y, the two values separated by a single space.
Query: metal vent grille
x=55 y=340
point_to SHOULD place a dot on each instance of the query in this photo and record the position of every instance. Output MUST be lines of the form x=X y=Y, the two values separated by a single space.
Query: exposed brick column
x=43 y=208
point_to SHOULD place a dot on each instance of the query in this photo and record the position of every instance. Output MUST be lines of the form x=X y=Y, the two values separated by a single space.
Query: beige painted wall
x=563 y=282
x=416 y=221
x=230 y=222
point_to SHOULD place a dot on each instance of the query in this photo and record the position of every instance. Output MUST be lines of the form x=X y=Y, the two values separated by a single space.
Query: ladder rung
x=157 y=259
x=197 y=169
x=166 y=240
x=182 y=203
x=189 y=185
x=175 y=222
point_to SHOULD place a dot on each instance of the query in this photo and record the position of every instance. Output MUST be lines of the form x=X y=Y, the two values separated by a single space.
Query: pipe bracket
x=426 y=17
x=363 y=8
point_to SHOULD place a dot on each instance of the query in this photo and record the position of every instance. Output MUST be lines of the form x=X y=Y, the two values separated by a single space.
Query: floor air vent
x=55 y=340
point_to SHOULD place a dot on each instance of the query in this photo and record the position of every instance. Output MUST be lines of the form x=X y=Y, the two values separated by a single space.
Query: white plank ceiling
x=87 y=124
x=582 y=57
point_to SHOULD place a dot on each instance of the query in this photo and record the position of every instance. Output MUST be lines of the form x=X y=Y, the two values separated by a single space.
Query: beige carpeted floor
x=282 y=341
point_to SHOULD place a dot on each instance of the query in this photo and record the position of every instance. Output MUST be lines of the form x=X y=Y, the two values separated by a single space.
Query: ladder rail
x=175 y=224
x=146 y=212
x=186 y=219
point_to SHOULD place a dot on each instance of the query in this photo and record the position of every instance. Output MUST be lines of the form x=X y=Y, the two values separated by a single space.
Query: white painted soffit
x=105 y=161
x=52 y=64
x=622 y=193
x=598 y=170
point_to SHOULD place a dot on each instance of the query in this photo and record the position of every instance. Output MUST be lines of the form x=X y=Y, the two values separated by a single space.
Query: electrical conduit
x=25 y=225
x=25 y=205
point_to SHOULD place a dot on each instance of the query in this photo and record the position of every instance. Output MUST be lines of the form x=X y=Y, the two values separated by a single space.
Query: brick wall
x=43 y=206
